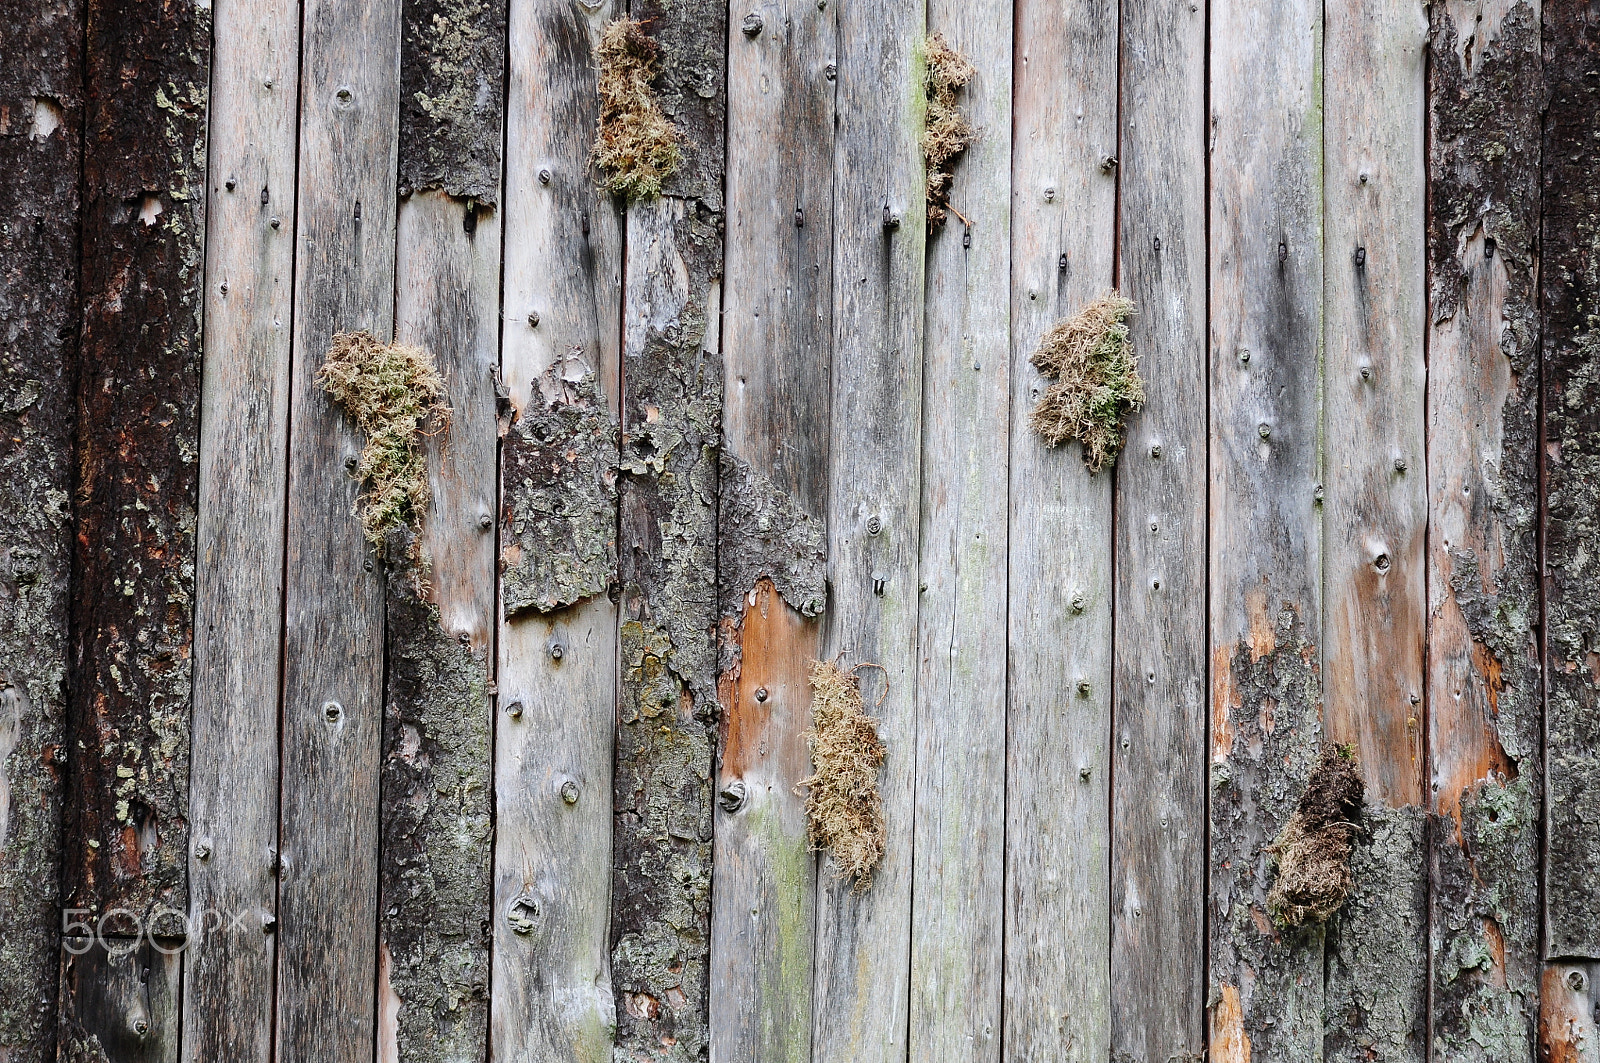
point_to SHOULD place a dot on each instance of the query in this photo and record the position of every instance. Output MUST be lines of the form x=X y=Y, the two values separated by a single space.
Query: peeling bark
x=762 y=533
x=452 y=97
x=138 y=473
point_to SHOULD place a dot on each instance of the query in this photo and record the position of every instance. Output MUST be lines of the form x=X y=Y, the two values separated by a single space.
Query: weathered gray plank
x=1570 y=284
x=1375 y=515
x=1484 y=713
x=958 y=866
x=563 y=275
x=244 y=437
x=777 y=334
x=41 y=126
x=1265 y=544
x=1058 y=771
x=1159 y=701
x=119 y=1004
x=333 y=674
x=861 y=969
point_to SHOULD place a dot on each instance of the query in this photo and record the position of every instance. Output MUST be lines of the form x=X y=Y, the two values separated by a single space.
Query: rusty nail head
x=874 y=524
x=141 y=1026
x=1365 y=177
x=544 y=176
x=1050 y=193
x=1108 y=163
x=1366 y=372
x=1381 y=562
x=1083 y=687
x=202 y=849
x=485 y=521
x=332 y=710
x=752 y=24
x=275 y=222
x=1399 y=465
x=344 y=94
x=230 y=184
x=732 y=796
x=1575 y=980
x=1244 y=355
x=558 y=649
x=514 y=710
x=761 y=693
x=533 y=319
x=569 y=792
x=351 y=462
x=1264 y=430
x=1361 y=256
x=1155 y=450
x=830 y=71
x=1077 y=603
x=1083 y=774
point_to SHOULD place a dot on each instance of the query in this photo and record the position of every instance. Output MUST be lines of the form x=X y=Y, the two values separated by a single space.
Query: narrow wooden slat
x=1568 y=1030
x=862 y=965
x=1159 y=722
x=120 y=1003
x=1265 y=542
x=41 y=99
x=1375 y=516
x=138 y=412
x=562 y=280
x=333 y=680
x=777 y=334
x=1570 y=284
x=244 y=436
x=1058 y=760
x=958 y=873
x=1483 y=699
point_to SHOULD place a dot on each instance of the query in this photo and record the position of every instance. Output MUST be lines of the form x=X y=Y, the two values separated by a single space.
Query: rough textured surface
x=559 y=470
x=763 y=534
x=135 y=495
x=119 y=1005
x=452 y=76
x=1571 y=307
x=41 y=82
x=1313 y=852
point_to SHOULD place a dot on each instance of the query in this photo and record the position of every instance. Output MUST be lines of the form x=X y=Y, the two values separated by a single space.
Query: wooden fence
x=265 y=796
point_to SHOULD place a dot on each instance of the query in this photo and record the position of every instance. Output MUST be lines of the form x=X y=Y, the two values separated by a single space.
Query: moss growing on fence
x=844 y=808
x=395 y=396
x=1313 y=852
x=1097 y=383
x=636 y=146
x=946 y=131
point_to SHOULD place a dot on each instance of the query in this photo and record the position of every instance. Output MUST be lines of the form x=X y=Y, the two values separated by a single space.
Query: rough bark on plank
x=333 y=699
x=1266 y=985
x=137 y=448
x=119 y=1002
x=452 y=101
x=1570 y=303
x=239 y=570
x=777 y=324
x=1058 y=748
x=1484 y=715
x=41 y=116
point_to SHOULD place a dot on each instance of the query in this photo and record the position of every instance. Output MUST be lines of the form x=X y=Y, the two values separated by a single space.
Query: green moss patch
x=1097 y=383
x=636 y=147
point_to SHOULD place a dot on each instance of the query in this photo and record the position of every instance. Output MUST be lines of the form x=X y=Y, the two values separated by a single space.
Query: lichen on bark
x=451 y=92
x=763 y=534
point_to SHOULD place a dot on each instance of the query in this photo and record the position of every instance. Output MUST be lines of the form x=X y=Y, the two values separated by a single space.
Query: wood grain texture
x=862 y=964
x=244 y=444
x=1265 y=526
x=1159 y=702
x=1375 y=515
x=333 y=675
x=146 y=74
x=552 y=994
x=1058 y=760
x=1570 y=286
x=41 y=128
x=435 y=862
x=1484 y=713
x=777 y=339
x=119 y=1004
x=958 y=865
x=1568 y=1030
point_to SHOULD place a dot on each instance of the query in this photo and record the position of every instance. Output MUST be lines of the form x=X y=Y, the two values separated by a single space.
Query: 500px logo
x=120 y=931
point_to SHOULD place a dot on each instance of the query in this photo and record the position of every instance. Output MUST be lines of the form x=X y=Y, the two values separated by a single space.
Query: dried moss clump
x=636 y=147
x=1097 y=383
x=844 y=809
x=395 y=396
x=946 y=132
x=1313 y=852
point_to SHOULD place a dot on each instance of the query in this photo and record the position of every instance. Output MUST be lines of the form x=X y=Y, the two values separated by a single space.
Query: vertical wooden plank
x=1058 y=760
x=41 y=126
x=244 y=442
x=1375 y=516
x=1570 y=279
x=1568 y=1031
x=333 y=677
x=1159 y=702
x=862 y=964
x=958 y=872
x=119 y=1003
x=562 y=291
x=1265 y=541
x=1484 y=714
x=777 y=332
x=135 y=498
x=435 y=862
x=671 y=427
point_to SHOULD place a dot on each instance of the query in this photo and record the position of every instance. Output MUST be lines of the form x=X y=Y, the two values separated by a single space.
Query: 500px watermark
x=120 y=930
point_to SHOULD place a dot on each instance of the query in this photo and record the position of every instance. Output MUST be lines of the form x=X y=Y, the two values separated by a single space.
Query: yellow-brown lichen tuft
x=1313 y=852
x=1097 y=383
x=636 y=146
x=395 y=396
x=844 y=808
x=946 y=131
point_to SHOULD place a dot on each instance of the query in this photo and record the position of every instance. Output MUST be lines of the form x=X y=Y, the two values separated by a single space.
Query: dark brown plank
x=671 y=427
x=452 y=97
x=1483 y=691
x=41 y=115
x=1570 y=287
x=137 y=448
x=119 y=1001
